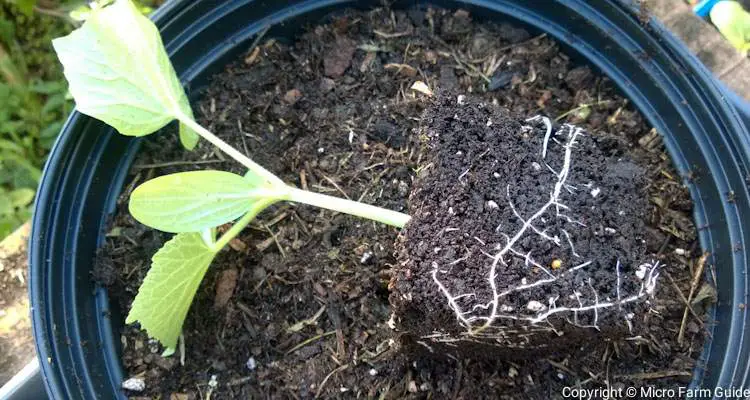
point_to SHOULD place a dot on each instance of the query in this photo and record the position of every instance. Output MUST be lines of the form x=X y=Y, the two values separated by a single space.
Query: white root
x=480 y=318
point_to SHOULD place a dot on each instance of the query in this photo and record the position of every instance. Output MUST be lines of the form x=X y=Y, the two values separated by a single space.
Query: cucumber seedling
x=119 y=73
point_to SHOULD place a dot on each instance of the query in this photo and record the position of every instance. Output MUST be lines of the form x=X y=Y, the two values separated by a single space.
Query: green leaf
x=33 y=172
x=26 y=6
x=165 y=296
x=6 y=208
x=54 y=103
x=6 y=227
x=118 y=72
x=21 y=197
x=51 y=130
x=11 y=146
x=48 y=87
x=194 y=201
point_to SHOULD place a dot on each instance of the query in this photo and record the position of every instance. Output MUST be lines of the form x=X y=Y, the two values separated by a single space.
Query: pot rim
x=712 y=128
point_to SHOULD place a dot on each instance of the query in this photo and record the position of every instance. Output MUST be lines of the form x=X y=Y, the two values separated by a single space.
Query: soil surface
x=297 y=306
x=524 y=236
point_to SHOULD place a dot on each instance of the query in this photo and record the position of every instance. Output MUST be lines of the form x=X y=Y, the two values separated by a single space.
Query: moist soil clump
x=297 y=306
x=525 y=238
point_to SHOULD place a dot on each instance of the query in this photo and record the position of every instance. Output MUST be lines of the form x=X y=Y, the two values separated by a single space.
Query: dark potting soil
x=525 y=237
x=297 y=306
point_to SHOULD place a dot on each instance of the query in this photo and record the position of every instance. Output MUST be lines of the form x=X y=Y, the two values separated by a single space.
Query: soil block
x=525 y=235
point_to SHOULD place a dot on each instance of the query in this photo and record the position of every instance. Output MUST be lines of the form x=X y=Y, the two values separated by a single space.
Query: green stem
x=383 y=215
x=290 y=193
x=229 y=150
x=241 y=224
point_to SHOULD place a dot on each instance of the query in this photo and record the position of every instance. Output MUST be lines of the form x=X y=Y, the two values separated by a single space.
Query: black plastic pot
x=76 y=330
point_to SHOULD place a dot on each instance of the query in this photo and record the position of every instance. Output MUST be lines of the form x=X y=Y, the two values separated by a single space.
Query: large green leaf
x=119 y=72
x=165 y=296
x=194 y=201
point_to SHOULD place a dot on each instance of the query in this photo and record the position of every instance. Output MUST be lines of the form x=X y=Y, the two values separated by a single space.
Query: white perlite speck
x=134 y=384
x=392 y=321
x=641 y=272
x=251 y=364
x=535 y=306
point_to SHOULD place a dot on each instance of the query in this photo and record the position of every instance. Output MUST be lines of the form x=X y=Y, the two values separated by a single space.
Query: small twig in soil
x=332 y=182
x=325 y=380
x=242 y=136
x=273 y=221
x=288 y=282
x=305 y=322
x=697 y=274
x=262 y=246
x=239 y=381
x=663 y=247
x=132 y=185
x=308 y=341
x=260 y=284
x=411 y=71
x=258 y=38
x=684 y=299
x=459 y=375
x=465 y=65
x=301 y=223
x=654 y=375
x=561 y=366
x=390 y=35
x=303 y=179
x=278 y=245
x=512 y=46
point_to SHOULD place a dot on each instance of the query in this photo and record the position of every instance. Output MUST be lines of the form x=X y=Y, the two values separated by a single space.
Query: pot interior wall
x=79 y=333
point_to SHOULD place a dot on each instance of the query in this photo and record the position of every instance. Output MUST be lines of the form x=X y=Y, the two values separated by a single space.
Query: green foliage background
x=34 y=101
